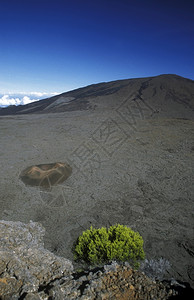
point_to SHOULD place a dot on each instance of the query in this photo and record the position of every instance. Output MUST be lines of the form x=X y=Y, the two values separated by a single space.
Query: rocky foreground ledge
x=29 y=271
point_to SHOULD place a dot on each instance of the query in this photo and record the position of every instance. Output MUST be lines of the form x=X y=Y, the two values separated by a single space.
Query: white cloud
x=7 y=100
x=22 y=98
x=26 y=100
x=39 y=94
x=36 y=94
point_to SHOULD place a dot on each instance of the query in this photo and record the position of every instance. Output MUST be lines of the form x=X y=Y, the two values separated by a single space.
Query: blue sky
x=55 y=46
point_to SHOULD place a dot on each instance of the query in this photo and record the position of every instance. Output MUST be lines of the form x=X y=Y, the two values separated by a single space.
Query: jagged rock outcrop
x=25 y=266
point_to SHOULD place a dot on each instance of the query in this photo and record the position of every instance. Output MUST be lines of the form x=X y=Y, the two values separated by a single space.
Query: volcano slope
x=130 y=146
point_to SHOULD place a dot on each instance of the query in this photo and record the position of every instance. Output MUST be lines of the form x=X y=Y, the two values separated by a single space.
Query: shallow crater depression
x=46 y=175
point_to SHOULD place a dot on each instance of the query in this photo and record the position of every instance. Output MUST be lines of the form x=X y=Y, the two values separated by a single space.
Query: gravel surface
x=131 y=152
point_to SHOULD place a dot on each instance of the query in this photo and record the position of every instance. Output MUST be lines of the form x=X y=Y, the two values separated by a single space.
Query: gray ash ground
x=130 y=145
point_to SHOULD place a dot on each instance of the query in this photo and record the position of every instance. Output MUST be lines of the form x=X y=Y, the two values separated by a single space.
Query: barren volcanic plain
x=130 y=145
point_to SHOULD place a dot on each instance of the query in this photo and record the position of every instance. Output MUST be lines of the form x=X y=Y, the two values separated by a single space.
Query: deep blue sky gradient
x=55 y=46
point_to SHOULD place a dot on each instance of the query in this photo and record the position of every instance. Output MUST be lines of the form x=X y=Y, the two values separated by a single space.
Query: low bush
x=117 y=242
x=155 y=268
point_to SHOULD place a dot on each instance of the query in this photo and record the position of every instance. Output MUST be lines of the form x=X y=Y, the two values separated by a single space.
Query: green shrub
x=118 y=242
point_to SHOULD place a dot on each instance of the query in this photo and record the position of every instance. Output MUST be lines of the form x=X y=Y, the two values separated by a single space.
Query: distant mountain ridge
x=163 y=87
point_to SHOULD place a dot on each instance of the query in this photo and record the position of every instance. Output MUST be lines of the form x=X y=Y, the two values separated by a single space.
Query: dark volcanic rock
x=25 y=266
